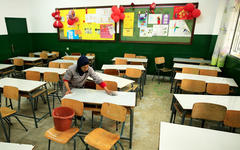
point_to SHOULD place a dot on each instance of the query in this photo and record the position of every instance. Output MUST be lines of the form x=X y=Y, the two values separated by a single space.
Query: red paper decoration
x=117 y=13
x=189 y=7
x=152 y=8
x=196 y=13
x=57 y=23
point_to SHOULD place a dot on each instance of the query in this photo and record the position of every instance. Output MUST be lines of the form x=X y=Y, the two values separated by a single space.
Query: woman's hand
x=109 y=92
x=68 y=92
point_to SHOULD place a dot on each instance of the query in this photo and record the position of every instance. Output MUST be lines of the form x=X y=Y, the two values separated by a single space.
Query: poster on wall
x=178 y=28
x=87 y=24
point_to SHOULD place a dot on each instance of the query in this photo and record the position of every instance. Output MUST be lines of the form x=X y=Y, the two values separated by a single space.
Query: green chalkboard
x=169 y=36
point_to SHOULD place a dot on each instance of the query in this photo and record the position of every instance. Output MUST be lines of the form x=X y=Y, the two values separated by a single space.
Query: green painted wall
x=232 y=68
x=202 y=46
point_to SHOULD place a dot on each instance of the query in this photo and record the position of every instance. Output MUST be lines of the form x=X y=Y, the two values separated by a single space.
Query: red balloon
x=57 y=24
x=70 y=22
x=57 y=12
x=189 y=7
x=196 y=13
x=114 y=8
x=153 y=6
x=189 y=16
x=122 y=16
x=58 y=17
x=76 y=19
x=117 y=12
x=116 y=18
x=112 y=15
x=122 y=9
x=53 y=14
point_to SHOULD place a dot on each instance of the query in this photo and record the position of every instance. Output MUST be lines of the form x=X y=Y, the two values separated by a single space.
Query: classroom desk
x=28 y=87
x=187 y=100
x=38 y=54
x=6 y=69
x=90 y=96
x=76 y=57
x=121 y=82
x=207 y=79
x=60 y=71
x=142 y=60
x=191 y=61
x=29 y=60
x=179 y=65
x=181 y=137
x=123 y=67
x=65 y=61
x=15 y=146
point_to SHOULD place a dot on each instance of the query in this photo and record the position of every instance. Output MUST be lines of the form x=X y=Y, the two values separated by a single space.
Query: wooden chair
x=206 y=72
x=9 y=92
x=19 y=66
x=56 y=53
x=30 y=55
x=144 y=57
x=127 y=55
x=197 y=58
x=91 y=61
x=134 y=74
x=65 y=65
x=52 y=78
x=102 y=139
x=232 y=119
x=190 y=70
x=44 y=57
x=160 y=67
x=208 y=111
x=113 y=72
x=33 y=75
x=120 y=61
x=217 y=89
x=136 y=63
x=76 y=54
x=44 y=51
x=69 y=58
x=90 y=54
x=53 y=65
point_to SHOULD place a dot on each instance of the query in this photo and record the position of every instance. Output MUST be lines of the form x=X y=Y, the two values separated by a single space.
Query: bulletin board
x=167 y=26
x=94 y=24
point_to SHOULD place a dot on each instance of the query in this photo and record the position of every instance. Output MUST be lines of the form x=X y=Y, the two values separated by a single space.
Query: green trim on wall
x=202 y=46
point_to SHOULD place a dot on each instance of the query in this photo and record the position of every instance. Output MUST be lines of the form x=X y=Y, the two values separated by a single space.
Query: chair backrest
x=11 y=92
x=30 y=55
x=76 y=54
x=68 y=58
x=127 y=55
x=56 y=53
x=159 y=60
x=114 y=112
x=133 y=73
x=51 y=77
x=217 y=89
x=114 y=72
x=43 y=55
x=44 y=51
x=77 y=106
x=119 y=61
x=53 y=65
x=90 y=54
x=111 y=85
x=208 y=72
x=232 y=119
x=208 y=111
x=193 y=86
x=136 y=63
x=65 y=65
x=190 y=70
x=33 y=75
x=197 y=58
x=18 y=62
x=141 y=57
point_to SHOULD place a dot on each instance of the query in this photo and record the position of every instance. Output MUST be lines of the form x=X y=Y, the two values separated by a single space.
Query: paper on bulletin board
x=128 y=21
x=154 y=18
x=165 y=19
x=146 y=32
x=106 y=31
x=179 y=13
x=160 y=30
x=142 y=20
x=178 y=28
x=71 y=35
x=127 y=32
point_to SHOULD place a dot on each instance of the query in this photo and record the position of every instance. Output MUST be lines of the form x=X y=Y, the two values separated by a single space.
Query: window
x=235 y=50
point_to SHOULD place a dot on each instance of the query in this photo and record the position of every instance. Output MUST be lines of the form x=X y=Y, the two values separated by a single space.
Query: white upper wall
x=39 y=19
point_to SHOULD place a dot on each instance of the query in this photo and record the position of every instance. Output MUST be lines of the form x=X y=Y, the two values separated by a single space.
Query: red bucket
x=62 y=117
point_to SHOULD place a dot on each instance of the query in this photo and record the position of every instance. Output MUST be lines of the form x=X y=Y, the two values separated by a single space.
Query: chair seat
x=101 y=139
x=5 y=111
x=51 y=91
x=61 y=136
x=35 y=94
x=165 y=70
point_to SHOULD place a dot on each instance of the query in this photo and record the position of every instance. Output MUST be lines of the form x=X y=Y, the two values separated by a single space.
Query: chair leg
x=21 y=123
x=115 y=146
x=49 y=144
x=5 y=131
x=190 y=123
x=120 y=145
x=87 y=147
x=116 y=125
x=74 y=143
x=203 y=122
x=92 y=119
x=11 y=103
